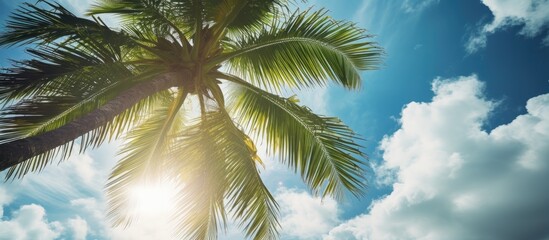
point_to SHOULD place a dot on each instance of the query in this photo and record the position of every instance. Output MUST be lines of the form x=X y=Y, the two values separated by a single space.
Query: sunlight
x=150 y=205
x=156 y=200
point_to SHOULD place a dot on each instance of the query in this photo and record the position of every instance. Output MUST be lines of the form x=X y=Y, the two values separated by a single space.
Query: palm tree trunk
x=17 y=151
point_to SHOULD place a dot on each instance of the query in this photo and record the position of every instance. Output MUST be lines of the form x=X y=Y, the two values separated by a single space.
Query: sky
x=456 y=123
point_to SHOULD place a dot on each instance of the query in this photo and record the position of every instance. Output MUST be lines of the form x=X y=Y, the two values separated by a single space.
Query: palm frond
x=33 y=24
x=122 y=123
x=40 y=161
x=86 y=63
x=154 y=11
x=28 y=77
x=95 y=136
x=322 y=149
x=248 y=198
x=217 y=162
x=302 y=50
x=244 y=15
x=143 y=154
x=158 y=13
x=42 y=113
x=21 y=119
x=200 y=161
x=192 y=12
x=59 y=85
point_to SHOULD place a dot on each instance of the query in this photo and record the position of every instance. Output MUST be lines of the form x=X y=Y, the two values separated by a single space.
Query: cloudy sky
x=456 y=123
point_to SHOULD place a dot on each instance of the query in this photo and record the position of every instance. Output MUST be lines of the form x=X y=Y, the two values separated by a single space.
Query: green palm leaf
x=307 y=49
x=61 y=67
x=248 y=198
x=158 y=13
x=322 y=149
x=60 y=85
x=33 y=24
x=219 y=165
x=244 y=15
x=143 y=155
x=110 y=130
x=200 y=163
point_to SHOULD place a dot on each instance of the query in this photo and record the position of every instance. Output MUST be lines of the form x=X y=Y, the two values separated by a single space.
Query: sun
x=153 y=199
x=150 y=207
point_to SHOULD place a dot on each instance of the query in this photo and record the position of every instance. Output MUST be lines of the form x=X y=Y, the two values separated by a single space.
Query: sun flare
x=153 y=199
x=150 y=205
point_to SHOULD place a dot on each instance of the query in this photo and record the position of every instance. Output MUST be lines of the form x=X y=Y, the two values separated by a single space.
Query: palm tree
x=229 y=59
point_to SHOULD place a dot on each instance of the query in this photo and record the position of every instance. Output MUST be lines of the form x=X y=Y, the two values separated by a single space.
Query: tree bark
x=15 y=152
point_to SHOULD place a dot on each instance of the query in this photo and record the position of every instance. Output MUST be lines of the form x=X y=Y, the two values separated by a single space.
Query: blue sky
x=456 y=123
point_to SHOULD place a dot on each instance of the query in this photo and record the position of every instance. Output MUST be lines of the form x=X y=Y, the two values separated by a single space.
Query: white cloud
x=83 y=166
x=533 y=15
x=456 y=181
x=304 y=216
x=28 y=223
x=5 y=198
x=90 y=206
x=78 y=227
x=71 y=178
x=80 y=178
x=146 y=226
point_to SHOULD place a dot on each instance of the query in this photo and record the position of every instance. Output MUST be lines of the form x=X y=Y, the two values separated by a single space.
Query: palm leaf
x=59 y=85
x=220 y=164
x=158 y=13
x=85 y=64
x=248 y=198
x=307 y=49
x=244 y=15
x=322 y=149
x=200 y=161
x=143 y=155
x=110 y=130
x=27 y=78
x=33 y=24
x=40 y=114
